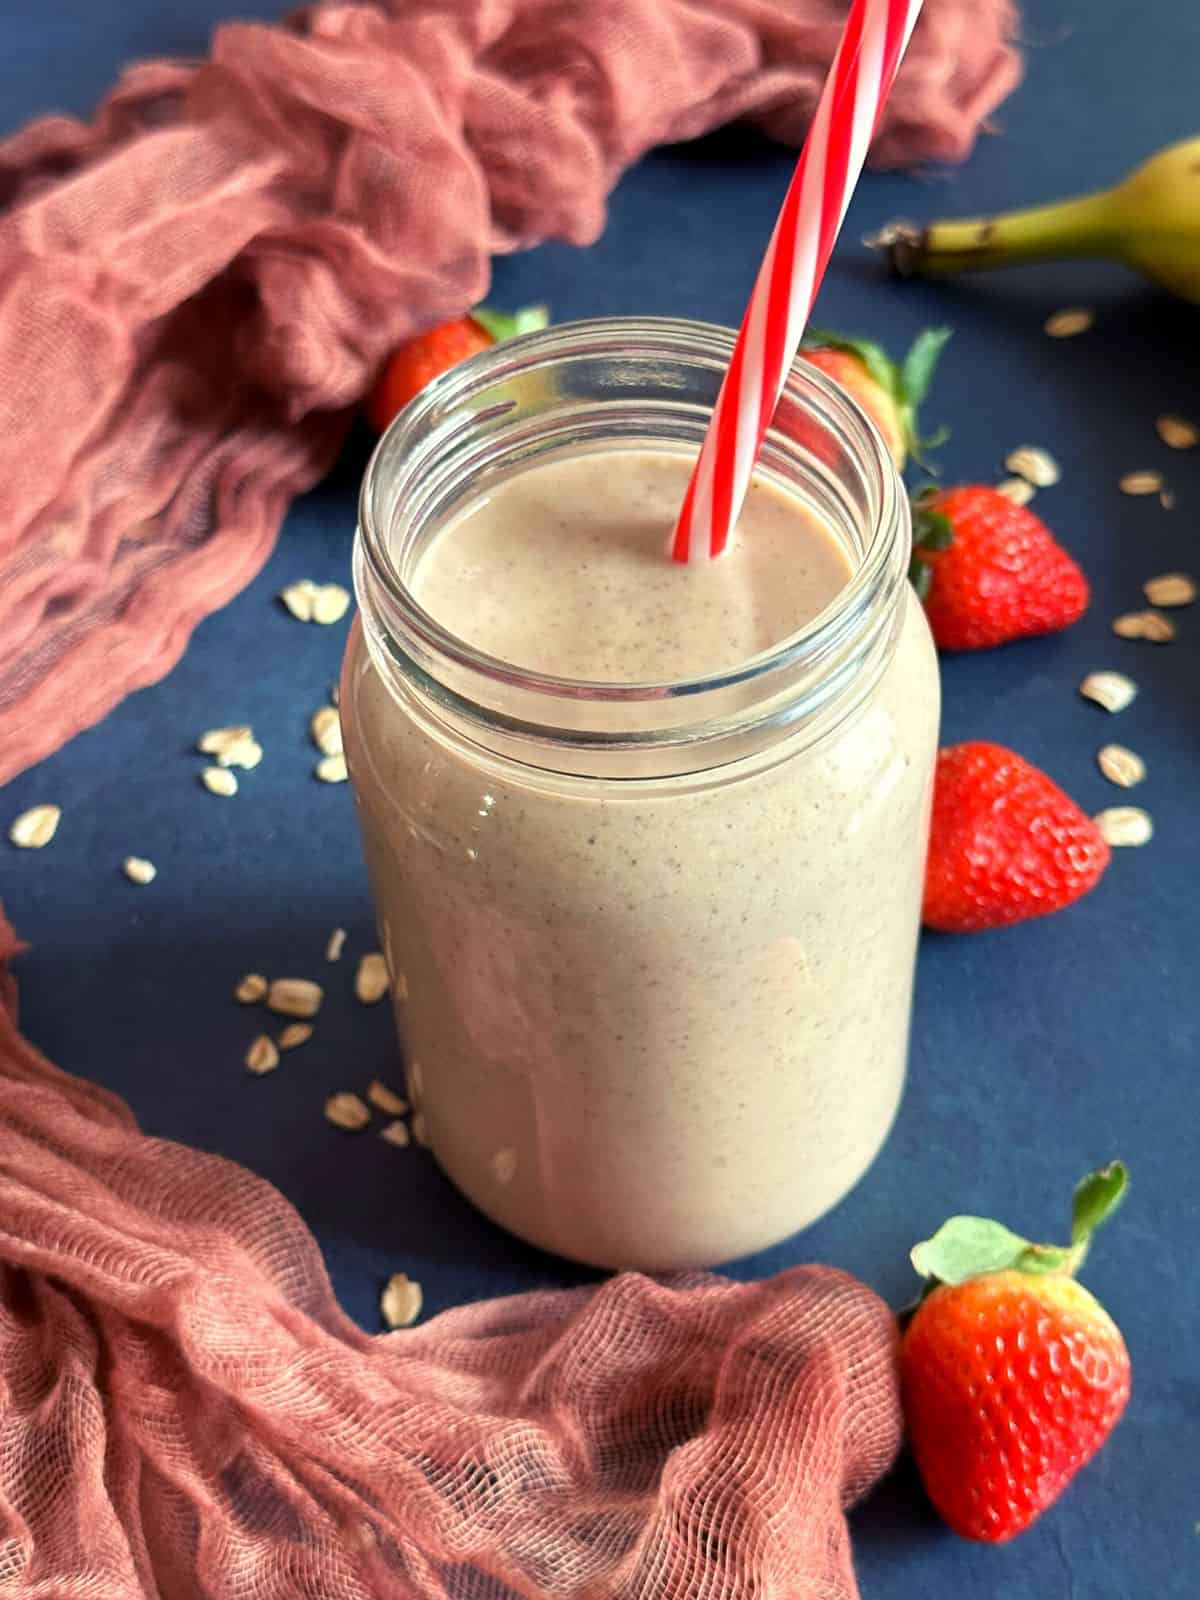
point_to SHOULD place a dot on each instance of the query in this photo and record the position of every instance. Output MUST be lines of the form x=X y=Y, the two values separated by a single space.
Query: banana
x=1150 y=221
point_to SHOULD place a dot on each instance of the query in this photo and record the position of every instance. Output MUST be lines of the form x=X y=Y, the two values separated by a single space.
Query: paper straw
x=831 y=160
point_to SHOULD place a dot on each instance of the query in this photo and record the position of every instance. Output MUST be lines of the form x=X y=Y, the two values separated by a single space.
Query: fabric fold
x=197 y=286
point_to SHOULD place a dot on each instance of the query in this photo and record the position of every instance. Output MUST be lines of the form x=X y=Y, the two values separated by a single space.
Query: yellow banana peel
x=1150 y=222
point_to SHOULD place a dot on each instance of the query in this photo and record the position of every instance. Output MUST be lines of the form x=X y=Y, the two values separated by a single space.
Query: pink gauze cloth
x=185 y=1412
x=196 y=288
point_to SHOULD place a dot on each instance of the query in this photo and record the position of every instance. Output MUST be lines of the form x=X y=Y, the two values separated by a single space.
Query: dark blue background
x=1038 y=1051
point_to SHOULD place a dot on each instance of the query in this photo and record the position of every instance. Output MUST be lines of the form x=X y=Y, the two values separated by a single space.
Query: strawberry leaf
x=509 y=324
x=917 y=369
x=968 y=1247
x=1096 y=1198
x=932 y=530
x=920 y=575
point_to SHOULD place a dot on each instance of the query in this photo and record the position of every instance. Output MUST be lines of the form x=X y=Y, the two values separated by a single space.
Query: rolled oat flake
x=1112 y=690
x=1125 y=825
x=1066 y=324
x=400 y=1303
x=1144 y=625
x=347 y=1111
x=1170 y=589
x=1121 y=766
x=262 y=1056
x=1141 y=483
x=35 y=828
x=1035 y=465
x=1177 y=432
x=1019 y=490
x=295 y=997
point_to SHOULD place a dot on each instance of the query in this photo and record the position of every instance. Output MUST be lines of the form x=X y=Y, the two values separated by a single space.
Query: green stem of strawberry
x=970 y=1247
x=504 y=325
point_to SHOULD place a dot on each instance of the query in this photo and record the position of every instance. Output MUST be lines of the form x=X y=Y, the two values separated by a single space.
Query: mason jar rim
x=670 y=336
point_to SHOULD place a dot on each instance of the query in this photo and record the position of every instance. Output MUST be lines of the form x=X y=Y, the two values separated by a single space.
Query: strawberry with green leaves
x=1012 y=1374
x=989 y=570
x=889 y=392
x=427 y=355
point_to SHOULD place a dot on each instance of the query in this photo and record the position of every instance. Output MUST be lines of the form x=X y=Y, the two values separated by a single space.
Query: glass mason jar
x=651 y=944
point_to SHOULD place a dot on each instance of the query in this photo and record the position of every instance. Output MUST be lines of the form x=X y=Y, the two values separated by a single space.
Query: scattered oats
x=1034 y=465
x=1019 y=490
x=335 y=694
x=419 y=1131
x=295 y=1034
x=299 y=599
x=245 y=753
x=1177 y=432
x=1121 y=766
x=138 y=870
x=35 y=827
x=1145 y=625
x=331 y=769
x=1166 y=500
x=400 y=987
x=400 y=1302
x=1170 y=589
x=347 y=1111
x=333 y=950
x=217 y=740
x=385 y=1099
x=219 y=780
x=234 y=746
x=395 y=1133
x=295 y=997
x=504 y=1165
x=1066 y=324
x=330 y=603
x=371 y=981
x=1141 y=483
x=1112 y=690
x=1125 y=825
x=326 y=729
x=251 y=989
x=262 y=1056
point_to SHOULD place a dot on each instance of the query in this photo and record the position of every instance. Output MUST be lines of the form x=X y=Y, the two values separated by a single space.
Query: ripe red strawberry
x=421 y=359
x=888 y=392
x=1012 y=1375
x=1005 y=842
x=989 y=570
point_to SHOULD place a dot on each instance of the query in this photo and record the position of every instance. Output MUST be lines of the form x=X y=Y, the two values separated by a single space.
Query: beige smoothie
x=658 y=1022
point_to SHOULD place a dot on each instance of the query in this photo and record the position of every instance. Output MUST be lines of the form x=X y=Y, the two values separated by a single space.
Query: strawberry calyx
x=906 y=383
x=931 y=530
x=967 y=1247
x=504 y=325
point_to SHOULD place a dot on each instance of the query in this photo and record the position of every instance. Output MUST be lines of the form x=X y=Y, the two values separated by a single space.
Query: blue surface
x=1037 y=1051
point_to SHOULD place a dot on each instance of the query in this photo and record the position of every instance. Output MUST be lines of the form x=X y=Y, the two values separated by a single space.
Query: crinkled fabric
x=185 y=1412
x=197 y=287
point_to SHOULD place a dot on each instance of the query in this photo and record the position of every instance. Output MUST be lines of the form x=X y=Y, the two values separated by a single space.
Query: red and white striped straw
x=874 y=40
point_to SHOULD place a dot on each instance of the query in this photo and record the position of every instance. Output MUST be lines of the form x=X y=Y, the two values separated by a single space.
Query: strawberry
x=421 y=359
x=889 y=393
x=989 y=570
x=1005 y=842
x=1011 y=1374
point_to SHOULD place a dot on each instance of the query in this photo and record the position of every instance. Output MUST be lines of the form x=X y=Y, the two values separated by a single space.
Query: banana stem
x=1079 y=227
